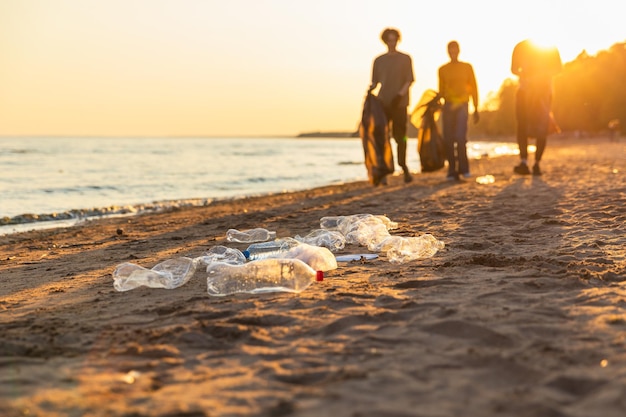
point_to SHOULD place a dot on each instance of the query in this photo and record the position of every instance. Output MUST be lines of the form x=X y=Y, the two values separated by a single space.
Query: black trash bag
x=374 y=132
x=430 y=146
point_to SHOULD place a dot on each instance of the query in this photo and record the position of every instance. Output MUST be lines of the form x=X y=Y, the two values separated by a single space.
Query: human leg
x=521 y=114
x=541 y=146
x=461 y=139
x=399 y=120
x=540 y=108
x=448 y=122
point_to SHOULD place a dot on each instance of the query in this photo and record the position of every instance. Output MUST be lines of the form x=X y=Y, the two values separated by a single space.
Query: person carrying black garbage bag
x=535 y=66
x=430 y=146
x=374 y=132
x=394 y=72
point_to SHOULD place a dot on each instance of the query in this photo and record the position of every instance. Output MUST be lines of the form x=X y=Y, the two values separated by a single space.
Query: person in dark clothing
x=394 y=72
x=535 y=68
x=457 y=85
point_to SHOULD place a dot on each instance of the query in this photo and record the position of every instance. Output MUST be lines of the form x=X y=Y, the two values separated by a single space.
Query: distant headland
x=354 y=134
x=411 y=132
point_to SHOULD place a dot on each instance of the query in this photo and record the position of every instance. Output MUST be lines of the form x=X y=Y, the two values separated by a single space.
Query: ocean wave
x=83 y=214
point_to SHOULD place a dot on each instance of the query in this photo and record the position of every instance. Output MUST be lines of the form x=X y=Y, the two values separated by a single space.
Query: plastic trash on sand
x=362 y=229
x=317 y=257
x=331 y=239
x=271 y=249
x=372 y=231
x=218 y=253
x=264 y=275
x=248 y=236
x=169 y=274
x=400 y=249
x=485 y=179
x=345 y=223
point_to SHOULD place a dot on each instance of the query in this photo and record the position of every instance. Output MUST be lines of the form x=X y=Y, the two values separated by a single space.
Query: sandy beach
x=523 y=313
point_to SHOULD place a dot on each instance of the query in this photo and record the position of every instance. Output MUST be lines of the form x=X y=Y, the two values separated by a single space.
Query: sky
x=232 y=68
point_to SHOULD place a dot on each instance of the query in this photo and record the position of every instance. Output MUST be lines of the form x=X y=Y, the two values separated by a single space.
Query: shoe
x=452 y=177
x=407 y=177
x=383 y=181
x=467 y=175
x=522 y=169
x=536 y=170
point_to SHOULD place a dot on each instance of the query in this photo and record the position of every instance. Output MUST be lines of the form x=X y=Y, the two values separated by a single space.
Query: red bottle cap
x=319 y=276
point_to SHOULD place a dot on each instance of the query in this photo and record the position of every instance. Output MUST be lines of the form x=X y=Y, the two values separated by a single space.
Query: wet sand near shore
x=523 y=313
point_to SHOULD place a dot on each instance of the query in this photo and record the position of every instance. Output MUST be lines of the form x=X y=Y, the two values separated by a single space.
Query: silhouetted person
x=457 y=84
x=394 y=72
x=535 y=68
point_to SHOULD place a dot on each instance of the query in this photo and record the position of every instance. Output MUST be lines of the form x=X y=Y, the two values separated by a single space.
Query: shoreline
x=522 y=313
x=37 y=221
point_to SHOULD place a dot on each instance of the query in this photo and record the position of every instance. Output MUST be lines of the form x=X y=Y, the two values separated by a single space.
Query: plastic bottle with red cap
x=261 y=276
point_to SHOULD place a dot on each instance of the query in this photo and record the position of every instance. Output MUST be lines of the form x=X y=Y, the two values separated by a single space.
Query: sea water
x=46 y=182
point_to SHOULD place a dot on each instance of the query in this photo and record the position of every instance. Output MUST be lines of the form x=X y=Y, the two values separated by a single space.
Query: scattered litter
x=264 y=275
x=130 y=377
x=486 y=179
x=223 y=254
x=248 y=236
x=331 y=239
x=169 y=274
x=292 y=263
x=271 y=249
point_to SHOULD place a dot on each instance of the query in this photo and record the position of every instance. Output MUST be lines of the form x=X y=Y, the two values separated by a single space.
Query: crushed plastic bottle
x=362 y=229
x=248 y=236
x=271 y=249
x=220 y=253
x=373 y=232
x=169 y=274
x=342 y=223
x=331 y=239
x=317 y=257
x=400 y=249
x=367 y=232
x=266 y=275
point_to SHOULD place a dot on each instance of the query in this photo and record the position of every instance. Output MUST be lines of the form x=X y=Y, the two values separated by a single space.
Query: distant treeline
x=589 y=94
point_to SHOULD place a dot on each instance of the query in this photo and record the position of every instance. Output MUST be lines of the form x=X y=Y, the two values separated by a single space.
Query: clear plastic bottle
x=223 y=254
x=317 y=257
x=169 y=274
x=400 y=249
x=343 y=223
x=266 y=275
x=265 y=250
x=331 y=239
x=248 y=236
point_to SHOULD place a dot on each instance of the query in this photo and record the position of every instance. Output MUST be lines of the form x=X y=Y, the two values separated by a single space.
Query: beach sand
x=523 y=313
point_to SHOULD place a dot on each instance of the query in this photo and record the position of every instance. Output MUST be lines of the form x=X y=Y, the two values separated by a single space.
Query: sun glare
x=542 y=43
